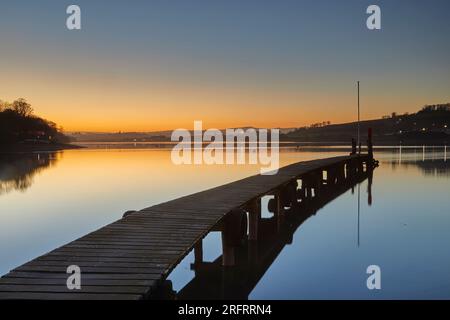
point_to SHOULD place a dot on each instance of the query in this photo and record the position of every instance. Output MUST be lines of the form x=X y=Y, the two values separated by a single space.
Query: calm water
x=47 y=200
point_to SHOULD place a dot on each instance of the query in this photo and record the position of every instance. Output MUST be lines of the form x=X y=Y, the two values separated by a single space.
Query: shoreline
x=42 y=147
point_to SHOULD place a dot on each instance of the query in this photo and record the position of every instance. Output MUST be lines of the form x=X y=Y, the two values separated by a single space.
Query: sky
x=159 y=65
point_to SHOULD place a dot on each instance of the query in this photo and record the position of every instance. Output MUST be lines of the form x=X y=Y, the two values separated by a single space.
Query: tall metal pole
x=359 y=209
x=359 y=139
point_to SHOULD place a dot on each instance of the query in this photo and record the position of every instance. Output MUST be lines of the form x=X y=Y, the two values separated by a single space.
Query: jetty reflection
x=18 y=170
x=245 y=260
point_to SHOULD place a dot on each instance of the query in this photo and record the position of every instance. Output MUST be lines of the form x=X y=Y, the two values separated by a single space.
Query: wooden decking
x=127 y=259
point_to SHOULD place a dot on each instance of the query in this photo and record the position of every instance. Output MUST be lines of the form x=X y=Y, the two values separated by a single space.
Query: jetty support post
x=360 y=166
x=331 y=175
x=254 y=216
x=227 y=254
x=304 y=188
x=254 y=219
x=369 y=185
x=352 y=169
x=312 y=183
x=279 y=210
x=353 y=147
x=233 y=234
x=301 y=194
x=198 y=252
x=370 y=145
x=340 y=175
x=316 y=182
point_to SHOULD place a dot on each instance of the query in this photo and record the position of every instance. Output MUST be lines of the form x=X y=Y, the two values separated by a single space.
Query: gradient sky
x=154 y=65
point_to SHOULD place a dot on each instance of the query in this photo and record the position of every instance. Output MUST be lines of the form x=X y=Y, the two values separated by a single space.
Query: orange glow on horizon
x=132 y=120
x=91 y=102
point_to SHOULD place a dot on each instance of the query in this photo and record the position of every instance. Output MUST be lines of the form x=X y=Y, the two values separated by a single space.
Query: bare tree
x=22 y=107
x=3 y=105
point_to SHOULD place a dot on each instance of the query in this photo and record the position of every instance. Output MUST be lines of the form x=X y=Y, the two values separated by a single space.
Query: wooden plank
x=145 y=247
x=88 y=276
x=150 y=252
x=86 y=282
x=66 y=296
x=72 y=259
x=95 y=269
x=111 y=254
x=135 y=242
x=112 y=264
x=63 y=289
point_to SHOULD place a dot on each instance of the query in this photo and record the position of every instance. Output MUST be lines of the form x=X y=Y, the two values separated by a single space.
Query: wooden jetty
x=254 y=258
x=131 y=258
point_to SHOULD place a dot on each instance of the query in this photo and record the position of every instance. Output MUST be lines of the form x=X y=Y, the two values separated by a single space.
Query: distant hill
x=120 y=136
x=428 y=126
x=155 y=136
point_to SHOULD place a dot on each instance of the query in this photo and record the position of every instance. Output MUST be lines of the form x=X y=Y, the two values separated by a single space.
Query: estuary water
x=49 y=199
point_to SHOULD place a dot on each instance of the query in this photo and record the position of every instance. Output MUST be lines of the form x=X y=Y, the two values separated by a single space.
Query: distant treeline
x=18 y=124
x=430 y=125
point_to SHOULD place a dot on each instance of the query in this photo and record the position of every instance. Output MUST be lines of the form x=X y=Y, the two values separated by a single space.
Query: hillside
x=428 y=126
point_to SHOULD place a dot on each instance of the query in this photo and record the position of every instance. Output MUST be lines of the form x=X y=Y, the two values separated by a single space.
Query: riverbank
x=37 y=147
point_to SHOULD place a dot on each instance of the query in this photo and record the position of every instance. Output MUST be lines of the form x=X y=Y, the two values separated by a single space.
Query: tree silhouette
x=22 y=107
x=19 y=124
x=3 y=105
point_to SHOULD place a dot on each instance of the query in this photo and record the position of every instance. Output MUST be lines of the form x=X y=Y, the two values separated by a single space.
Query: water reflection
x=405 y=231
x=17 y=171
x=253 y=257
x=432 y=162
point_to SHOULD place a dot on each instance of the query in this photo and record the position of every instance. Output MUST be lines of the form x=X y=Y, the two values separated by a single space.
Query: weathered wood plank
x=86 y=282
x=66 y=296
x=71 y=259
x=63 y=289
x=82 y=264
x=88 y=276
x=96 y=269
